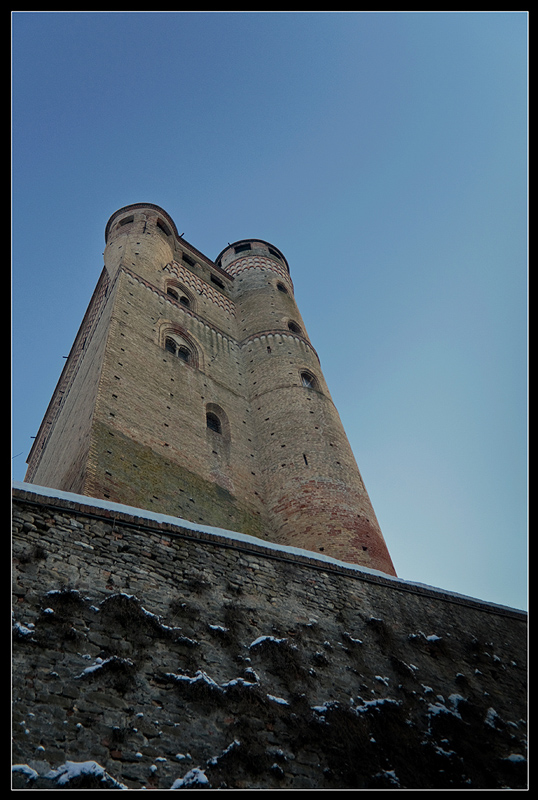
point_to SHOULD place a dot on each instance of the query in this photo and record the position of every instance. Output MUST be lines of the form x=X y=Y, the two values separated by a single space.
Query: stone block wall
x=150 y=654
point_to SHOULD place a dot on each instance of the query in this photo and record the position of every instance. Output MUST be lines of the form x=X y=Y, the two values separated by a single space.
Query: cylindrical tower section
x=314 y=494
x=141 y=237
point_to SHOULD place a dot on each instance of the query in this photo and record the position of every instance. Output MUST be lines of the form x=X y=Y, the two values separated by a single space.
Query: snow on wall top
x=85 y=502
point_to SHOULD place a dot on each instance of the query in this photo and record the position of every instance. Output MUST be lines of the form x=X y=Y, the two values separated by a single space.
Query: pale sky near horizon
x=385 y=154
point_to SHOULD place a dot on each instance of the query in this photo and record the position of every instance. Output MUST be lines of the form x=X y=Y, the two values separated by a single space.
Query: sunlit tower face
x=193 y=389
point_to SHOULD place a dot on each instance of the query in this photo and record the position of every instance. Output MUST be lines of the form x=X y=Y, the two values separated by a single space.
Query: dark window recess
x=180 y=351
x=213 y=422
x=188 y=260
x=184 y=354
x=184 y=301
x=172 y=293
x=217 y=282
x=294 y=328
x=281 y=288
x=126 y=221
x=164 y=228
x=308 y=380
x=274 y=253
x=240 y=248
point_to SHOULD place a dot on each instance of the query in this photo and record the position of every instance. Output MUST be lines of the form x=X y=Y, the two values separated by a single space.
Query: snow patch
x=23 y=630
x=75 y=769
x=194 y=778
x=262 y=639
x=27 y=771
x=279 y=700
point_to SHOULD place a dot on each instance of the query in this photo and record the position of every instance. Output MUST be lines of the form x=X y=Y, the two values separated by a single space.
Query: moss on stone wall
x=125 y=471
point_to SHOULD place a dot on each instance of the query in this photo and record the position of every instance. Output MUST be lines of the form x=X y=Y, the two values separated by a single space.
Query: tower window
x=180 y=294
x=164 y=228
x=213 y=422
x=217 y=282
x=170 y=346
x=308 y=380
x=240 y=248
x=294 y=328
x=281 y=288
x=179 y=350
x=184 y=354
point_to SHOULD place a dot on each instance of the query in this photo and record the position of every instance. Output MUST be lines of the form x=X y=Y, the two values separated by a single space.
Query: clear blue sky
x=386 y=155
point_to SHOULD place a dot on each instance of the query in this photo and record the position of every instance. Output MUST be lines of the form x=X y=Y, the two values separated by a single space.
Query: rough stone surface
x=147 y=655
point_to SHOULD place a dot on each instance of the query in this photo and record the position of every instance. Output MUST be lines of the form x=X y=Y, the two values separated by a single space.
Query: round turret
x=141 y=234
x=314 y=494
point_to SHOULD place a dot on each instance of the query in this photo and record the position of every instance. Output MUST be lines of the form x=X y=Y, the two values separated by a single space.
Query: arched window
x=217 y=422
x=308 y=380
x=170 y=345
x=179 y=293
x=213 y=422
x=218 y=439
x=178 y=343
x=293 y=327
x=184 y=353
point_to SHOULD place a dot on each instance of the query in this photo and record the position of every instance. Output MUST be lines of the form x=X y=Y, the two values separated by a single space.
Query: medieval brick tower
x=192 y=389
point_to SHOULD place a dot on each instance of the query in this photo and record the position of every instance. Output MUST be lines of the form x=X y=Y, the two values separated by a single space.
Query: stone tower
x=192 y=389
